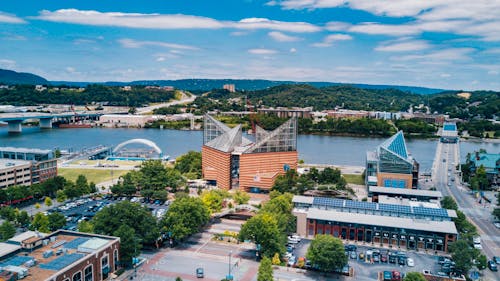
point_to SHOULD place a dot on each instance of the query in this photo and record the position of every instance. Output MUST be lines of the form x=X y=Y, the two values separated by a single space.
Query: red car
x=383 y=258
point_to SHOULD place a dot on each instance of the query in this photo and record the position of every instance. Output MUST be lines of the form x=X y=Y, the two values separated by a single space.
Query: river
x=315 y=149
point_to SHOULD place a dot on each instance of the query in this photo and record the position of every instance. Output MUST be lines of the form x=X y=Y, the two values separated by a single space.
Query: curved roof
x=141 y=141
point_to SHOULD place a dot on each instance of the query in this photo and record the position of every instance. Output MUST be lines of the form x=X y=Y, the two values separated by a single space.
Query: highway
x=186 y=98
x=447 y=180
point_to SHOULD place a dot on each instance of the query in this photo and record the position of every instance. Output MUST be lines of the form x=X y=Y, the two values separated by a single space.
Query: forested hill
x=10 y=77
x=247 y=84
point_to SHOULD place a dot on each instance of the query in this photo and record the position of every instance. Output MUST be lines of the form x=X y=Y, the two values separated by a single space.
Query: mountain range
x=11 y=77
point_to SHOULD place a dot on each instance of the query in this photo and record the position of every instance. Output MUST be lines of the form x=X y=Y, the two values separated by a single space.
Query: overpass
x=14 y=120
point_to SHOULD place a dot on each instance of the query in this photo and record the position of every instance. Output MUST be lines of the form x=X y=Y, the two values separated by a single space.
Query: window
x=77 y=276
x=116 y=260
x=105 y=266
x=88 y=275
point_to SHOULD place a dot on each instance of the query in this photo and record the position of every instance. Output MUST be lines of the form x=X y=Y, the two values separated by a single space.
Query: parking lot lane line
x=204 y=244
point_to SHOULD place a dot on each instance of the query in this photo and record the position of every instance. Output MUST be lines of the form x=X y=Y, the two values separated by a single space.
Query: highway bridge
x=14 y=120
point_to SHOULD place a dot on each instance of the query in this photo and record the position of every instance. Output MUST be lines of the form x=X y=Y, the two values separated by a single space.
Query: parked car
x=383 y=258
x=291 y=261
x=350 y=248
x=492 y=265
x=353 y=255
x=410 y=262
x=200 y=272
x=361 y=256
x=496 y=259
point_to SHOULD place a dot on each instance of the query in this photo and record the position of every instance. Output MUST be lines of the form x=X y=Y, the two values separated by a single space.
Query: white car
x=410 y=262
x=478 y=246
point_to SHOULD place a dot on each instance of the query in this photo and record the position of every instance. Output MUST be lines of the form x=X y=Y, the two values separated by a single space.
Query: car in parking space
x=402 y=260
x=393 y=258
x=353 y=255
x=410 y=262
x=289 y=249
x=200 y=272
x=361 y=256
x=376 y=256
x=492 y=265
x=291 y=261
x=384 y=258
x=350 y=248
x=496 y=259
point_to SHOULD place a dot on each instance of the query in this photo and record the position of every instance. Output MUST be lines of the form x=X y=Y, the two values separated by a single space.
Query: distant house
x=40 y=88
x=490 y=162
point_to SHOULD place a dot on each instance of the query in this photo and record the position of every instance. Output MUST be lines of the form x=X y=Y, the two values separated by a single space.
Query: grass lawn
x=93 y=175
x=354 y=179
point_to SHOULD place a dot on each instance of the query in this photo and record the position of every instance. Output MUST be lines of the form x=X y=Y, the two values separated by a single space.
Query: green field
x=354 y=179
x=93 y=175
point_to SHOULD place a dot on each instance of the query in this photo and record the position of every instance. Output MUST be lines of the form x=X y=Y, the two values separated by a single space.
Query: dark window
x=77 y=276
x=88 y=275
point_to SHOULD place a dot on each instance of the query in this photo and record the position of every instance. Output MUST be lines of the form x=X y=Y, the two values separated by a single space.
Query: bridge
x=14 y=120
x=243 y=211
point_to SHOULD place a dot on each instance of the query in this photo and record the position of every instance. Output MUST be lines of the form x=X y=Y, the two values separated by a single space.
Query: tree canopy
x=263 y=230
x=327 y=253
x=184 y=217
x=414 y=276
x=265 y=270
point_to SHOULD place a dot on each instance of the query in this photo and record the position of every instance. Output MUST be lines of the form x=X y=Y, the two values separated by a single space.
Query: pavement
x=446 y=179
x=186 y=98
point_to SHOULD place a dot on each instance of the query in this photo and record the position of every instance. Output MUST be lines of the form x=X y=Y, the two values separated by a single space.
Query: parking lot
x=366 y=269
x=86 y=208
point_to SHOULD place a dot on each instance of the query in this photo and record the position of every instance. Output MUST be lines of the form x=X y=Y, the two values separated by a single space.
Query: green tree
x=153 y=175
x=139 y=218
x=448 y=203
x=327 y=252
x=280 y=207
x=414 y=276
x=178 y=278
x=129 y=244
x=463 y=255
x=41 y=223
x=482 y=262
x=265 y=270
x=189 y=163
x=263 y=230
x=213 y=199
x=7 y=231
x=23 y=218
x=61 y=196
x=86 y=226
x=241 y=197
x=37 y=206
x=48 y=201
x=82 y=185
x=56 y=221
x=184 y=217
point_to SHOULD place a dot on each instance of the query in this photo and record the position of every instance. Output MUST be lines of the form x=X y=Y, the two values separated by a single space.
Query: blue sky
x=441 y=43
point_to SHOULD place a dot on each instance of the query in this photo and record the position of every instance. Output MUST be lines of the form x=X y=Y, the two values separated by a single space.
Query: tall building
x=390 y=165
x=59 y=256
x=42 y=163
x=230 y=87
x=229 y=160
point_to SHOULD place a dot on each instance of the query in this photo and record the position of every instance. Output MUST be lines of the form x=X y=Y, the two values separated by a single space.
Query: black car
x=492 y=266
x=402 y=260
x=350 y=248
x=393 y=258
x=200 y=272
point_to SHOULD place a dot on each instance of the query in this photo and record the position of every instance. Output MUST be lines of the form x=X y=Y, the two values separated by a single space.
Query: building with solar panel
x=230 y=160
x=391 y=165
x=60 y=256
x=413 y=226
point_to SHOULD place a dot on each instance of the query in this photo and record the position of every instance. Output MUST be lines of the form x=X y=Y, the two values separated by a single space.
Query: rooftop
x=56 y=252
x=9 y=163
x=405 y=191
x=18 y=239
x=396 y=144
x=25 y=150
x=7 y=248
x=488 y=160
x=377 y=220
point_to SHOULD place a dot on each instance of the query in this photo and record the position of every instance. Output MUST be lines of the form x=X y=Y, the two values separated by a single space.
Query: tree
x=184 y=217
x=178 y=278
x=280 y=207
x=482 y=262
x=263 y=230
x=23 y=218
x=48 y=201
x=56 y=221
x=40 y=223
x=265 y=270
x=463 y=255
x=7 y=231
x=82 y=185
x=129 y=244
x=414 y=276
x=241 y=197
x=213 y=199
x=276 y=259
x=37 y=206
x=86 y=226
x=448 y=203
x=61 y=196
x=189 y=164
x=327 y=252
x=139 y=218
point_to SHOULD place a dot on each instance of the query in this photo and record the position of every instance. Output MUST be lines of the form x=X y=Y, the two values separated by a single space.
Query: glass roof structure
x=393 y=155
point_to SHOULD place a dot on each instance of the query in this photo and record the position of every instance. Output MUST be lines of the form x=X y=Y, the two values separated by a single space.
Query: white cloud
x=8 y=64
x=493 y=72
x=402 y=46
x=238 y=33
x=8 y=18
x=130 y=43
x=330 y=39
x=281 y=37
x=385 y=29
x=293 y=50
x=445 y=75
x=262 y=51
x=160 y=59
x=168 y=21
x=337 y=26
x=452 y=54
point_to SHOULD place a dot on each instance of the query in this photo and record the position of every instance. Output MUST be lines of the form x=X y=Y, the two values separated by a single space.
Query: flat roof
x=26 y=235
x=405 y=191
x=447 y=227
x=7 y=248
x=9 y=163
x=25 y=150
x=302 y=199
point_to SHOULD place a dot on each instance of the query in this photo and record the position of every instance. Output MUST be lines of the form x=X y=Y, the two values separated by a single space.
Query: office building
x=230 y=160
x=14 y=172
x=43 y=162
x=60 y=256
x=416 y=225
x=391 y=165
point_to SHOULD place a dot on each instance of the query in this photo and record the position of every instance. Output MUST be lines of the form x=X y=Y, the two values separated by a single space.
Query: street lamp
x=229 y=276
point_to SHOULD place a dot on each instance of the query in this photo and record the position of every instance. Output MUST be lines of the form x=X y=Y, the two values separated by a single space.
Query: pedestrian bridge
x=14 y=120
x=243 y=211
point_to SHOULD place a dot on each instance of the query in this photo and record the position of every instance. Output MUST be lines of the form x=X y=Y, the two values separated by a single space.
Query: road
x=446 y=180
x=186 y=98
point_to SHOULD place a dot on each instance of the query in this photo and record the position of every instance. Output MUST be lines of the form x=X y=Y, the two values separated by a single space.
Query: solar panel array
x=360 y=205
x=430 y=212
x=331 y=202
x=394 y=208
x=61 y=262
x=16 y=261
x=75 y=243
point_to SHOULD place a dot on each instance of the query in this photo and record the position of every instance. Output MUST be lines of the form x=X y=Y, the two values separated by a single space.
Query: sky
x=448 y=44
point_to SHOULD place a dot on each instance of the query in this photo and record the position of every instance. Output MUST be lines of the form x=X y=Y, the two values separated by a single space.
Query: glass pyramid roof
x=396 y=144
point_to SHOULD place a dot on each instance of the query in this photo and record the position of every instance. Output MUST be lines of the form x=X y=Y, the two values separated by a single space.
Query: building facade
x=43 y=164
x=230 y=160
x=390 y=165
x=285 y=112
x=390 y=225
x=449 y=133
x=61 y=256
x=14 y=172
